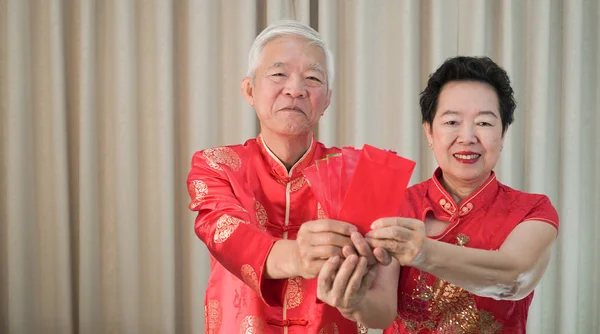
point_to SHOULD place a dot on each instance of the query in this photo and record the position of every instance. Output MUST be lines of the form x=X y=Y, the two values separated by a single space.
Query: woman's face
x=466 y=132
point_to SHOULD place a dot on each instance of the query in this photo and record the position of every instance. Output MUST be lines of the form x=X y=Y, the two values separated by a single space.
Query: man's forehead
x=314 y=66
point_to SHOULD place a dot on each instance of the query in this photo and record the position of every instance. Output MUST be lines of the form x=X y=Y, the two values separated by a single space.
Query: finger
x=354 y=284
x=382 y=256
x=348 y=250
x=389 y=245
x=329 y=238
x=343 y=275
x=330 y=225
x=322 y=252
x=369 y=279
x=363 y=248
x=410 y=223
x=326 y=277
x=391 y=232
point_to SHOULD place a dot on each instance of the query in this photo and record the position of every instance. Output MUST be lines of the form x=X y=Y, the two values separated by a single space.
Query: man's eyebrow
x=277 y=64
x=317 y=67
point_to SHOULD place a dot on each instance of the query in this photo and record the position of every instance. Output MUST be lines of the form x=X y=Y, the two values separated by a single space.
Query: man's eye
x=314 y=79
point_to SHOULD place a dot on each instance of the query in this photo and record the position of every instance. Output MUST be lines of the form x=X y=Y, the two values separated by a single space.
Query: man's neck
x=288 y=149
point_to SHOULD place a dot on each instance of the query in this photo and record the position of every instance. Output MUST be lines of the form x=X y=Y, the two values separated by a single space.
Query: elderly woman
x=472 y=250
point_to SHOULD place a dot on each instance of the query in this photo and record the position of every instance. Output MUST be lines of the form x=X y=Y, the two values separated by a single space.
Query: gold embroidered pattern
x=222 y=156
x=225 y=227
x=250 y=278
x=320 y=212
x=462 y=240
x=297 y=183
x=199 y=190
x=253 y=325
x=447 y=307
x=261 y=215
x=330 y=328
x=213 y=316
x=295 y=292
x=361 y=329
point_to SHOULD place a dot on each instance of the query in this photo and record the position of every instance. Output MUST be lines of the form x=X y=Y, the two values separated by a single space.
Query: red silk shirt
x=483 y=220
x=246 y=200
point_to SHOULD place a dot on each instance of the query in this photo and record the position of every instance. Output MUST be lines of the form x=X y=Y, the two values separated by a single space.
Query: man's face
x=290 y=90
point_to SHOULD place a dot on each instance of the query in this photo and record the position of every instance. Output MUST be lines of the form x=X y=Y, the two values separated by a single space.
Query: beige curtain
x=103 y=102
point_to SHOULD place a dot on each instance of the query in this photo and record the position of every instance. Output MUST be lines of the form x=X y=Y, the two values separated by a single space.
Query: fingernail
x=335 y=259
x=353 y=229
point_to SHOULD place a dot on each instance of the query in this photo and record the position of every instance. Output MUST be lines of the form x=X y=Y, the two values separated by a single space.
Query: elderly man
x=266 y=233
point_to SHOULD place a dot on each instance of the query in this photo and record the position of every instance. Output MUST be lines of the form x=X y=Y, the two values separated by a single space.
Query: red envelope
x=377 y=187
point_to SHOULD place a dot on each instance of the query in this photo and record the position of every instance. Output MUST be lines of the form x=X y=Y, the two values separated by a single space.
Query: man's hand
x=344 y=283
x=318 y=241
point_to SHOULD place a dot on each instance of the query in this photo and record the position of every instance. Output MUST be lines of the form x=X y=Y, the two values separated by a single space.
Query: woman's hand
x=403 y=238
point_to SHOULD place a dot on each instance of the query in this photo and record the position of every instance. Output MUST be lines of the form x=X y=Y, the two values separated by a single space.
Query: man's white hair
x=288 y=28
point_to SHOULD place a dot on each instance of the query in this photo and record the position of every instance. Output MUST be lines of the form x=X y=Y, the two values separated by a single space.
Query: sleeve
x=543 y=211
x=224 y=226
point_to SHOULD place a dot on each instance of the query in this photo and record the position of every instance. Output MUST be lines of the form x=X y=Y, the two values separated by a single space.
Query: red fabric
x=427 y=304
x=361 y=186
x=241 y=196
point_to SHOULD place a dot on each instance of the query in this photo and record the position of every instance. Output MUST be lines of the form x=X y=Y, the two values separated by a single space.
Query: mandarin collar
x=443 y=203
x=277 y=167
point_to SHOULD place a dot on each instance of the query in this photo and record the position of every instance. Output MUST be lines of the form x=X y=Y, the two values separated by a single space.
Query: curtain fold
x=103 y=103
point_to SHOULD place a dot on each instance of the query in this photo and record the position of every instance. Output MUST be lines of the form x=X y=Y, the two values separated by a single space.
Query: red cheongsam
x=246 y=200
x=483 y=220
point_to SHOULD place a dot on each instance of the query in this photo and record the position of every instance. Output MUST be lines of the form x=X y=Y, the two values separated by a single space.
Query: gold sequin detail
x=250 y=278
x=330 y=328
x=225 y=227
x=361 y=329
x=297 y=183
x=213 y=316
x=320 y=212
x=462 y=240
x=222 y=156
x=451 y=309
x=261 y=215
x=253 y=325
x=295 y=292
x=198 y=189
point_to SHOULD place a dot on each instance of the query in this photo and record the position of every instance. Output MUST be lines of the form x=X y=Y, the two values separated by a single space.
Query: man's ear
x=247 y=89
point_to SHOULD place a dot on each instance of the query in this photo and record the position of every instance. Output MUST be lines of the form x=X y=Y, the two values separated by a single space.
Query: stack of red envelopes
x=359 y=186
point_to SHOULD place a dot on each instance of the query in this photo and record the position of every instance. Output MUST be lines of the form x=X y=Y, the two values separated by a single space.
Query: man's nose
x=295 y=87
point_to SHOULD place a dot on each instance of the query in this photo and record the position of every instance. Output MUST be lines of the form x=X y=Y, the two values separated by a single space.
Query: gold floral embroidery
x=225 y=227
x=222 y=156
x=253 y=325
x=198 y=189
x=330 y=328
x=213 y=316
x=451 y=309
x=462 y=240
x=361 y=329
x=250 y=278
x=261 y=215
x=295 y=292
x=297 y=183
x=320 y=212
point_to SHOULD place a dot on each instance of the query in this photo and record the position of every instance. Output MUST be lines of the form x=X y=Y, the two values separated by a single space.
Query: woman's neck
x=461 y=189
